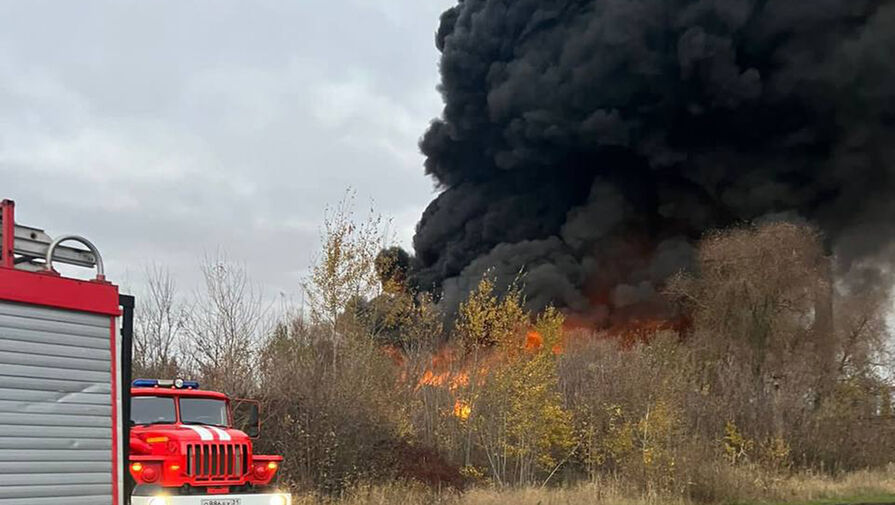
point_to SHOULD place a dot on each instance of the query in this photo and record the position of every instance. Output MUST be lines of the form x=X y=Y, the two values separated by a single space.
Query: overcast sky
x=164 y=130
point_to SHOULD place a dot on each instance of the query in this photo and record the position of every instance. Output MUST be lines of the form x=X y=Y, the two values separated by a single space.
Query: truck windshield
x=203 y=411
x=152 y=410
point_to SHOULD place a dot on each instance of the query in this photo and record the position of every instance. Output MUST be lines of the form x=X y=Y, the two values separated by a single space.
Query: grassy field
x=876 y=487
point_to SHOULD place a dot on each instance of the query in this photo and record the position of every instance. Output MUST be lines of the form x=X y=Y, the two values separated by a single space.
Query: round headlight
x=158 y=500
x=178 y=383
x=278 y=500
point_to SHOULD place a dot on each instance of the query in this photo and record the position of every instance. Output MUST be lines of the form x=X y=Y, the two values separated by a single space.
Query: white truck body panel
x=55 y=407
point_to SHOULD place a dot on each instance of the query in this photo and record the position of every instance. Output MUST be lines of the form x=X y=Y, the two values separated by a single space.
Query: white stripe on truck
x=204 y=434
x=223 y=435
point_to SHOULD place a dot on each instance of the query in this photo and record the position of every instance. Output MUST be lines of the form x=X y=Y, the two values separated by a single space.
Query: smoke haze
x=590 y=143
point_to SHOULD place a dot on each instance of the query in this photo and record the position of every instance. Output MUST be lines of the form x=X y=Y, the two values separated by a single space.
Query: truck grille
x=217 y=461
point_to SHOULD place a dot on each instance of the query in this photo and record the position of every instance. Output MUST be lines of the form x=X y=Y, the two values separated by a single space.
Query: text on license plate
x=220 y=501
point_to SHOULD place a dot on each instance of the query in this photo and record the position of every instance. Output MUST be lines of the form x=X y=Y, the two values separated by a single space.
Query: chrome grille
x=217 y=461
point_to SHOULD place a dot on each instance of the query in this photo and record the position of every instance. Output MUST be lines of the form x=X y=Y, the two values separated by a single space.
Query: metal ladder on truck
x=33 y=250
x=65 y=354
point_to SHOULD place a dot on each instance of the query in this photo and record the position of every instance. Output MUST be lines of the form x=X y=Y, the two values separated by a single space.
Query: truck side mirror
x=247 y=417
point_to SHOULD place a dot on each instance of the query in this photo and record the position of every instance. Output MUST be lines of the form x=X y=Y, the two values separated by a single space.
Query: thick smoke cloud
x=588 y=143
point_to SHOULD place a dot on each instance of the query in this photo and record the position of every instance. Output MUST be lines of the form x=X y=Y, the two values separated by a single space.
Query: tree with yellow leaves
x=516 y=419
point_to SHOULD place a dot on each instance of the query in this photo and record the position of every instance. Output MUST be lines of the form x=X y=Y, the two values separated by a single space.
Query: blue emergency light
x=155 y=383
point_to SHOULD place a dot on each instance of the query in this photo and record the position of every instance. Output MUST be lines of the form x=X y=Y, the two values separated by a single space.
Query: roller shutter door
x=55 y=407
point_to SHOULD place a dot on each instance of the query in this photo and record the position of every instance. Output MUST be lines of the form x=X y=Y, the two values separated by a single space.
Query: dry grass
x=812 y=487
x=590 y=494
x=864 y=486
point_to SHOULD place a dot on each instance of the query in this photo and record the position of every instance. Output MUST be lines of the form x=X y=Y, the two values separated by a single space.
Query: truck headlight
x=158 y=500
x=278 y=500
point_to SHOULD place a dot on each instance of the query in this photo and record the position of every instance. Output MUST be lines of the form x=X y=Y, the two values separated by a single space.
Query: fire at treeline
x=660 y=251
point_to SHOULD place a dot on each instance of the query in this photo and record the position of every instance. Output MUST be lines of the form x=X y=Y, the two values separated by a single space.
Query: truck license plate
x=220 y=501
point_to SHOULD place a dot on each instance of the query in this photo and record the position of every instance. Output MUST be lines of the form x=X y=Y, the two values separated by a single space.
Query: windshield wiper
x=205 y=424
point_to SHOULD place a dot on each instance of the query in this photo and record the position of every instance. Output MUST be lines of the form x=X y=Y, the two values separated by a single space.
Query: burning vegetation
x=752 y=377
x=768 y=370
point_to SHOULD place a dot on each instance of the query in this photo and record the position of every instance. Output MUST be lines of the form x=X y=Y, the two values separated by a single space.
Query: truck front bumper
x=219 y=499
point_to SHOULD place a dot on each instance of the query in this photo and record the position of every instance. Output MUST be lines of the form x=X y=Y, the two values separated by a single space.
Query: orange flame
x=449 y=369
x=462 y=410
x=441 y=373
x=452 y=381
x=533 y=341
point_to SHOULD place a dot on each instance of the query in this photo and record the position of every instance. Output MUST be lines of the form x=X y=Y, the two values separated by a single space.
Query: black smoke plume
x=588 y=143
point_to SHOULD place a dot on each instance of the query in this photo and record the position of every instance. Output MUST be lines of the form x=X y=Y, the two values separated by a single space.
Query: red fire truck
x=65 y=354
x=184 y=449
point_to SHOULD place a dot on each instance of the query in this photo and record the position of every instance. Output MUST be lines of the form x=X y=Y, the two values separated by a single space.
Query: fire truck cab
x=185 y=450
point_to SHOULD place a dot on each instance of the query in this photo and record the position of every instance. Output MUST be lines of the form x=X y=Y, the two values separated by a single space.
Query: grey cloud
x=164 y=130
